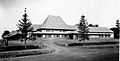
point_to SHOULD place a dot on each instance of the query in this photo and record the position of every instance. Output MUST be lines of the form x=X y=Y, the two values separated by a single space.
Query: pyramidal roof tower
x=55 y=22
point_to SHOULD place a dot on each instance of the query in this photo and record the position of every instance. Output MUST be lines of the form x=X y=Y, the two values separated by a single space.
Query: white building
x=54 y=26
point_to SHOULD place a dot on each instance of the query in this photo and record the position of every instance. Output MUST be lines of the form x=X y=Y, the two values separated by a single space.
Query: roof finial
x=25 y=10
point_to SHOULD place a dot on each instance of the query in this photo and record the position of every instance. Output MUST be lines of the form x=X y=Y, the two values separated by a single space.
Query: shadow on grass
x=108 y=57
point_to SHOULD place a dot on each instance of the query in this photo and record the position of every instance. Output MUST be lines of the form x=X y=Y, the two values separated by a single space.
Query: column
x=43 y=35
x=60 y=35
x=52 y=35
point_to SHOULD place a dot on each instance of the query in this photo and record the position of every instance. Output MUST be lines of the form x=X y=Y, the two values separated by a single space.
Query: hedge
x=24 y=53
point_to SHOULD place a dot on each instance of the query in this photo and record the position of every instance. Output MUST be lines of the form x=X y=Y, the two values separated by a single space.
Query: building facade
x=54 y=26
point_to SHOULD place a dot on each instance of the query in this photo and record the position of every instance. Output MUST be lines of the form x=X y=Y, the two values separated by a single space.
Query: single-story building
x=54 y=26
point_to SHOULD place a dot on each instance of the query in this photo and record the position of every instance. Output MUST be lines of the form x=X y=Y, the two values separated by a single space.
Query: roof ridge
x=52 y=15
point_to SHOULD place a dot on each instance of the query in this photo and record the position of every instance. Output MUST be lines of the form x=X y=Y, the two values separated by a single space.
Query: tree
x=91 y=25
x=24 y=26
x=116 y=30
x=117 y=24
x=96 y=25
x=83 y=29
x=5 y=39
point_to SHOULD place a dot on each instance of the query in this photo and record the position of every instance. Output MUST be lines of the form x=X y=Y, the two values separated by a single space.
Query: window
x=64 y=31
x=49 y=35
x=58 y=35
x=60 y=30
x=52 y=30
x=47 y=30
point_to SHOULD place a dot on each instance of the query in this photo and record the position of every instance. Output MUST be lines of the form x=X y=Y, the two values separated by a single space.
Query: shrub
x=91 y=43
x=24 y=53
x=14 y=48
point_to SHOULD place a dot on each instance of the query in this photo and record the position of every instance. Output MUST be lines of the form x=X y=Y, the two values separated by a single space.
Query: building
x=54 y=26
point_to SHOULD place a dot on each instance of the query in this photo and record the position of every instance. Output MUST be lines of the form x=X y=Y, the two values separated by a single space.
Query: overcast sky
x=102 y=12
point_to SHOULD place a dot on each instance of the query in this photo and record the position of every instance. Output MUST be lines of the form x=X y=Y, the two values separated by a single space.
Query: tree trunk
x=7 y=42
x=25 y=44
x=4 y=41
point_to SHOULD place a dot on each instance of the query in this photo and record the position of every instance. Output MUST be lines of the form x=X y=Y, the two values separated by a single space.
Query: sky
x=101 y=12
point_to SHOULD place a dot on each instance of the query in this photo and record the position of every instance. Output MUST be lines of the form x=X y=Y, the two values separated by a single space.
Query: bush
x=72 y=44
x=91 y=43
x=14 y=48
x=61 y=44
x=24 y=53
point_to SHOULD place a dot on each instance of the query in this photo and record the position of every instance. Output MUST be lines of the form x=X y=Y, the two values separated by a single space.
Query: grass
x=16 y=49
x=62 y=40
x=25 y=53
x=17 y=45
x=73 y=54
x=92 y=42
x=109 y=57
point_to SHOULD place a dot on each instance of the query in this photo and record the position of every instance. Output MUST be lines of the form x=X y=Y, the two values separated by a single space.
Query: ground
x=71 y=54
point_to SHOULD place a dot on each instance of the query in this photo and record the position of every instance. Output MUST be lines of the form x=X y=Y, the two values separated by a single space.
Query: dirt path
x=58 y=49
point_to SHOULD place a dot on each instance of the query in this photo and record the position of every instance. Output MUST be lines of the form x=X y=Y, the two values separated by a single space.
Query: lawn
x=72 y=54
x=93 y=41
x=14 y=45
x=16 y=48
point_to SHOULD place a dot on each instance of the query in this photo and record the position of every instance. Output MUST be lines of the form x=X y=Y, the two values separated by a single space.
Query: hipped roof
x=35 y=26
x=95 y=29
x=12 y=33
x=54 y=22
x=91 y=29
x=99 y=29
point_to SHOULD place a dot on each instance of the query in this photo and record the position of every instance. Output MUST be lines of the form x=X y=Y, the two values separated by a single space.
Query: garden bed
x=20 y=47
x=90 y=44
x=25 y=53
x=98 y=46
x=17 y=50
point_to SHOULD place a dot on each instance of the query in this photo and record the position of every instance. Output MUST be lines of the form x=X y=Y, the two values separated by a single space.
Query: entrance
x=71 y=36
